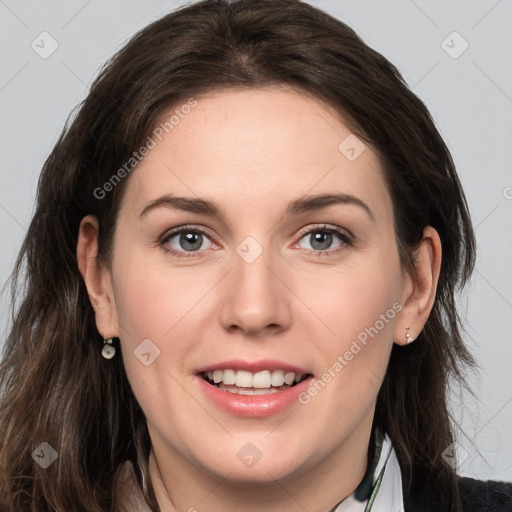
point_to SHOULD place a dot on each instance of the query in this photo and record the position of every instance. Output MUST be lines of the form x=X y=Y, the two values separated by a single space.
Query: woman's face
x=258 y=287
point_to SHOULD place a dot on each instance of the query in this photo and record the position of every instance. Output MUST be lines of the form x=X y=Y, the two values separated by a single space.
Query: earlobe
x=97 y=278
x=408 y=337
x=420 y=291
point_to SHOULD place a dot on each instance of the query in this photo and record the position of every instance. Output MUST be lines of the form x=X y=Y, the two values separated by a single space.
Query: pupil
x=190 y=238
x=319 y=237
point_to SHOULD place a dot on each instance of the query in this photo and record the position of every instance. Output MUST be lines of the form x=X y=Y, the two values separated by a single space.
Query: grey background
x=470 y=98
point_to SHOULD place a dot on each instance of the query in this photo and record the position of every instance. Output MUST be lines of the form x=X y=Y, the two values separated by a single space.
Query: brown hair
x=56 y=387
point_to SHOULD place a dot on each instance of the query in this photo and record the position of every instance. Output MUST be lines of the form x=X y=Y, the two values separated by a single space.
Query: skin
x=252 y=152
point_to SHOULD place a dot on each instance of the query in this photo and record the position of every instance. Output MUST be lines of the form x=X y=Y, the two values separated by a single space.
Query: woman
x=241 y=283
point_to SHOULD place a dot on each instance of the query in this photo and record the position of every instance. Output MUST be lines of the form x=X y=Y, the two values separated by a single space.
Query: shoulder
x=427 y=495
x=490 y=495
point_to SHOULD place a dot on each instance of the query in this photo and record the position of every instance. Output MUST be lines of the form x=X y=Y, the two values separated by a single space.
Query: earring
x=108 y=351
x=408 y=336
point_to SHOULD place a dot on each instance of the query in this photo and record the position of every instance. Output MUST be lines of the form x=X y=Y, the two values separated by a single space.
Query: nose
x=256 y=300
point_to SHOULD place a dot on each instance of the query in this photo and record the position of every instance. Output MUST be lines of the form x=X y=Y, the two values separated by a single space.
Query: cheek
x=143 y=304
x=163 y=306
x=149 y=299
x=355 y=297
x=152 y=308
x=359 y=305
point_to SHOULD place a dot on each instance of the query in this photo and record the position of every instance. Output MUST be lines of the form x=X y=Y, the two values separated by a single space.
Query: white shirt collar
x=388 y=497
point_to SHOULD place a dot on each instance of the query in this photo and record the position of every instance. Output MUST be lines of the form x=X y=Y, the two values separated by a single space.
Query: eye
x=321 y=239
x=188 y=241
x=185 y=240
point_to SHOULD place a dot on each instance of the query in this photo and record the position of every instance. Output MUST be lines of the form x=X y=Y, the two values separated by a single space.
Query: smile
x=254 y=389
x=243 y=382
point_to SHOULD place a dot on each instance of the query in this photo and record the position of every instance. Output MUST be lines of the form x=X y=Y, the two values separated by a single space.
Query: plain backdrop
x=456 y=56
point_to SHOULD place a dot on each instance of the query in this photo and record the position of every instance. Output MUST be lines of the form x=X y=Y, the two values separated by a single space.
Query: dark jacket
x=477 y=496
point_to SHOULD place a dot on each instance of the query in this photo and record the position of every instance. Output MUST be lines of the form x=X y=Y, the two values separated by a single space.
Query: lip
x=252 y=406
x=252 y=366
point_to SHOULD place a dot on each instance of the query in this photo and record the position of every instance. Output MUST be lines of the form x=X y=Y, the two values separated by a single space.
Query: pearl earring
x=108 y=351
x=408 y=336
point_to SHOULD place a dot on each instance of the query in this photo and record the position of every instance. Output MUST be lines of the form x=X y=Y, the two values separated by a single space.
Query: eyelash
x=344 y=237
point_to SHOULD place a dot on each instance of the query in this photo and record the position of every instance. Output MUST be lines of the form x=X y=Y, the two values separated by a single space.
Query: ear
x=97 y=277
x=419 y=290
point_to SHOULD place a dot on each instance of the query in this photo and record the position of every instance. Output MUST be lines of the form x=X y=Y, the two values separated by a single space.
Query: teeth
x=243 y=379
x=289 y=378
x=229 y=377
x=263 y=380
x=278 y=378
x=244 y=391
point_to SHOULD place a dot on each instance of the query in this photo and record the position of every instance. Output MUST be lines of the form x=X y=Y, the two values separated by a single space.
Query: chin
x=240 y=471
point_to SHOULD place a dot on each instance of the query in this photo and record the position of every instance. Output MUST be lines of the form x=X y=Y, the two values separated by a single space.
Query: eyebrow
x=298 y=206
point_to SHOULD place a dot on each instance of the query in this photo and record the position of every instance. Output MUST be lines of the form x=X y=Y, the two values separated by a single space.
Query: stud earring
x=408 y=336
x=108 y=351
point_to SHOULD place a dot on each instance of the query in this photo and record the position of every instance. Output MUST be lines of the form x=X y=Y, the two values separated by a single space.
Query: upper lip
x=252 y=366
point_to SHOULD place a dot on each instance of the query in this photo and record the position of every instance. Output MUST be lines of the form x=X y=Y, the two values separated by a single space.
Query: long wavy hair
x=55 y=385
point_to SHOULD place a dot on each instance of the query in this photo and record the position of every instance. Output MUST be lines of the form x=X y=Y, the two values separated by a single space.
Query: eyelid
x=326 y=227
x=185 y=227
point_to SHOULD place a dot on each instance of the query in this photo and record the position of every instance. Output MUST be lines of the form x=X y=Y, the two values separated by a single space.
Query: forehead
x=256 y=147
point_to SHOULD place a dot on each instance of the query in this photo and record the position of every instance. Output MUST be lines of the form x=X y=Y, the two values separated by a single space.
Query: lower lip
x=253 y=406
